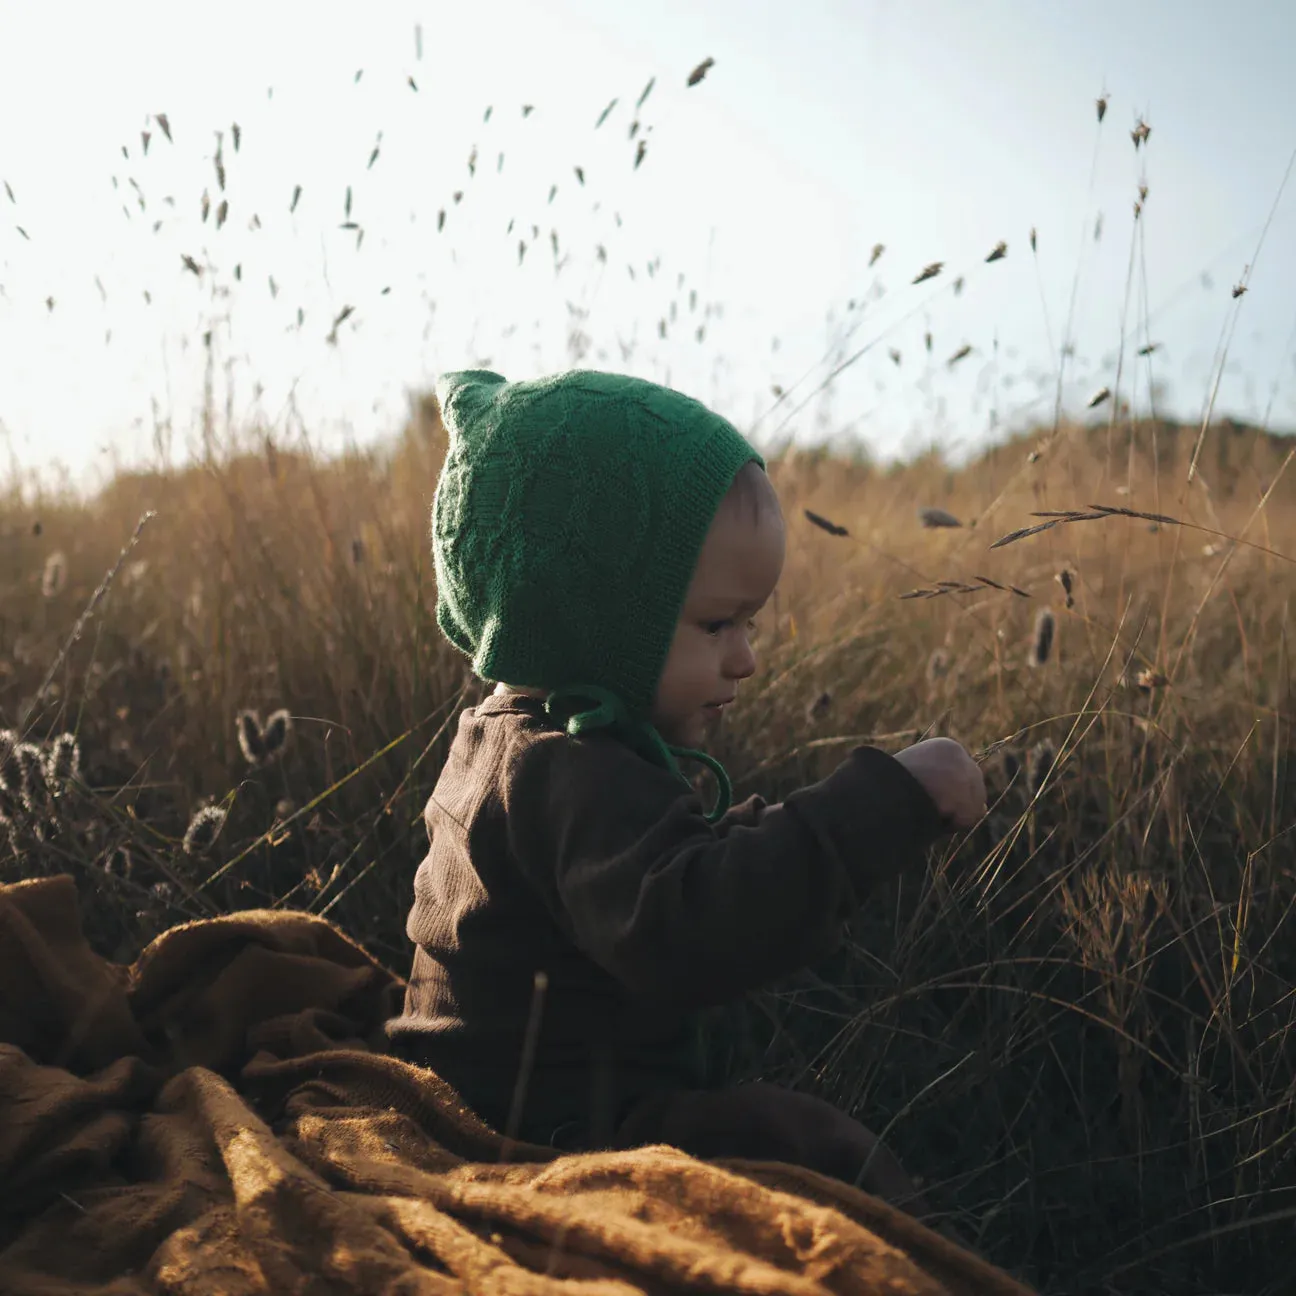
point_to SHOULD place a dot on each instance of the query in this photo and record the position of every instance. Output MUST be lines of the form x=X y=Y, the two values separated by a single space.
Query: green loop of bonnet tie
x=609 y=712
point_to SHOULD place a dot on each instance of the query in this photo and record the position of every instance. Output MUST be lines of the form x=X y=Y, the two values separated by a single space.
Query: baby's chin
x=692 y=731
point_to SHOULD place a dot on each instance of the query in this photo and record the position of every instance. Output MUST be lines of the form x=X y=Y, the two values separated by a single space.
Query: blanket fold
x=220 y=1118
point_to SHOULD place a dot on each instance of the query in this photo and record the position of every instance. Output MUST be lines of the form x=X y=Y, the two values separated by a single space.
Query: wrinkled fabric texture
x=757 y=1121
x=213 y=1120
x=574 y=858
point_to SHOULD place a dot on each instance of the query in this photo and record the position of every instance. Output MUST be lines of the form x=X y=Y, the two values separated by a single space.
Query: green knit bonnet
x=567 y=524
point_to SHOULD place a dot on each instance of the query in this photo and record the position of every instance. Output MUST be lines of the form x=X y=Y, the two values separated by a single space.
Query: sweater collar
x=582 y=708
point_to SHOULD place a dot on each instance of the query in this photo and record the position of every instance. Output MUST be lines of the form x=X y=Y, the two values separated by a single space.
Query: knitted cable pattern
x=566 y=527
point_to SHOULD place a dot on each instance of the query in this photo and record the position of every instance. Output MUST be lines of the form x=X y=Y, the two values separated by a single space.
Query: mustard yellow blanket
x=219 y=1118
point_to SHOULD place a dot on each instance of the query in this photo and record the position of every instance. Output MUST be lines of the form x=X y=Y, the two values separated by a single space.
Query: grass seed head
x=1042 y=640
x=276 y=734
x=35 y=789
x=63 y=764
x=118 y=862
x=937 y=517
x=824 y=524
x=819 y=706
x=54 y=577
x=1039 y=761
x=10 y=766
x=203 y=830
x=700 y=71
x=250 y=740
x=1067 y=581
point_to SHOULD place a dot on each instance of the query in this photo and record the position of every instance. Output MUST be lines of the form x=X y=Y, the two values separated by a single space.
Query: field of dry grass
x=1076 y=1026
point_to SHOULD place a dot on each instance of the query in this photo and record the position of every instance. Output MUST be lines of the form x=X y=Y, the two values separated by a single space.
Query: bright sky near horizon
x=936 y=128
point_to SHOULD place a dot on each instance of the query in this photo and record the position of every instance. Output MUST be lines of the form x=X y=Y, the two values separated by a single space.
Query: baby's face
x=739 y=566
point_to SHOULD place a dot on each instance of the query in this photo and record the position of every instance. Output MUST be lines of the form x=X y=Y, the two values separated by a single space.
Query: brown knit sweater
x=578 y=858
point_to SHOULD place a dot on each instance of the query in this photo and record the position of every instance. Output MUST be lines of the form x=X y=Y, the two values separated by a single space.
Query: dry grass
x=1077 y=1025
x=223 y=687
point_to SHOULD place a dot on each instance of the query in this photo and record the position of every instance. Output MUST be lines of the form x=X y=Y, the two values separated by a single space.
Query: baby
x=601 y=546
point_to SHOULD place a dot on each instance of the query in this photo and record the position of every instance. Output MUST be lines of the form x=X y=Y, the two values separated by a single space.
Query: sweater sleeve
x=692 y=914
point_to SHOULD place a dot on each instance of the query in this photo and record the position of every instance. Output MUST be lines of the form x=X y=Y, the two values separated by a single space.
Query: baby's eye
x=714 y=627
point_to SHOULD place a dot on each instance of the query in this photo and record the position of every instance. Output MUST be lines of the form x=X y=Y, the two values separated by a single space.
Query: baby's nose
x=742 y=661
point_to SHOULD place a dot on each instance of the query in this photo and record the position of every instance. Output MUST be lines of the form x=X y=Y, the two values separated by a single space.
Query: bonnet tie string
x=609 y=712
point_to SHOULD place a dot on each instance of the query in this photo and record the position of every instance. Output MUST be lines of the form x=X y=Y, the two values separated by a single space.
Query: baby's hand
x=951 y=778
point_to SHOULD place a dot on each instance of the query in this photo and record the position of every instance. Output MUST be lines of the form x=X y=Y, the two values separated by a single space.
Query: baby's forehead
x=722 y=602
x=724 y=576
x=751 y=495
x=739 y=564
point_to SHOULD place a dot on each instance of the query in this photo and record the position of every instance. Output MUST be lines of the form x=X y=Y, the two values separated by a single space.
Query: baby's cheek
x=706 y=668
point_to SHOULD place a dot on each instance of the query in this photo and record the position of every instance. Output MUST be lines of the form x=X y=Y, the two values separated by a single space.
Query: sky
x=737 y=259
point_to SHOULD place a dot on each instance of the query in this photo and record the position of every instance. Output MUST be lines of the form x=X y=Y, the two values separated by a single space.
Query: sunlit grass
x=1077 y=1022
x=222 y=686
